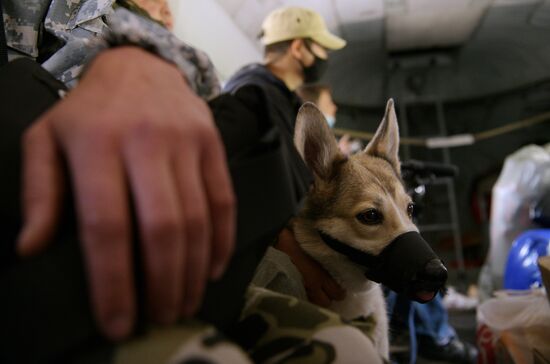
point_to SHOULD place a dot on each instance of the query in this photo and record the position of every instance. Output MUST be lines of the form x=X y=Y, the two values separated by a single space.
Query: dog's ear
x=385 y=143
x=315 y=142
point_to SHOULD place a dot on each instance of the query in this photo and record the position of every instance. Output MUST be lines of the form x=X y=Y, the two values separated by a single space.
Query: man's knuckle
x=183 y=134
x=104 y=229
x=148 y=129
x=226 y=201
x=160 y=228
x=194 y=131
x=196 y=225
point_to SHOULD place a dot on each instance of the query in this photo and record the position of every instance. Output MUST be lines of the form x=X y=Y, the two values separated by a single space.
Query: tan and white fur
x=343 y=189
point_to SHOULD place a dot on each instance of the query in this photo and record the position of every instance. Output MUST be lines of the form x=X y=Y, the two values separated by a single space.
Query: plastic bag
x=516 y=309
x=524 y=180
x=521 y=319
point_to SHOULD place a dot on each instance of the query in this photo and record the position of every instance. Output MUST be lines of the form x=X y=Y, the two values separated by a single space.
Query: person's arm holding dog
x=320 y=287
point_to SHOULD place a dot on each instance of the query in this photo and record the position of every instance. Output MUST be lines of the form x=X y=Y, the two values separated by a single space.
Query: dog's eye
x=410 y=209
x=370 y=217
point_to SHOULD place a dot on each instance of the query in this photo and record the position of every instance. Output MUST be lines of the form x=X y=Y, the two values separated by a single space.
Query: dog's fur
x=343 y=188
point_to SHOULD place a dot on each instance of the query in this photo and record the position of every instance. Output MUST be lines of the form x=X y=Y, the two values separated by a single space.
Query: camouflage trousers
x=274 y=328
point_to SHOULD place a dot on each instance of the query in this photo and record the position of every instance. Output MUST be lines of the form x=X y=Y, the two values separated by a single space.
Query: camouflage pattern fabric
x=127 y=28
x=192 y=342
x=274 y=328
x=276 y=272
x=82 y=28
x=277 y=328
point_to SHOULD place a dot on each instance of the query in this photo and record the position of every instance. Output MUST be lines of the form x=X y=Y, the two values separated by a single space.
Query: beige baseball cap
x=296 y=22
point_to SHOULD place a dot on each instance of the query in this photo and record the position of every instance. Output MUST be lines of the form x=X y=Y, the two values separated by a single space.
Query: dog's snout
x=429 y=281
x=435 y=271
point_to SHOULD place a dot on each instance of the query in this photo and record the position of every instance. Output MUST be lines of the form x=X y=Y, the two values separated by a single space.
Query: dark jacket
x=266 y=96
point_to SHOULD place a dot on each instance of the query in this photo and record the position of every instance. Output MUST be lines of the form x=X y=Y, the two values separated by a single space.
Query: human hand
x=320 y=287
x=133 y=127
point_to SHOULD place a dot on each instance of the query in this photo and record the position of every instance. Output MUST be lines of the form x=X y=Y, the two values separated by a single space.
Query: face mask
x=407 y=265
x=331 y=120
x=315 y=71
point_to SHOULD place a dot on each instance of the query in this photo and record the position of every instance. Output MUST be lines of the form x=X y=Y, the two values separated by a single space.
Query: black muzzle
x=407 y=265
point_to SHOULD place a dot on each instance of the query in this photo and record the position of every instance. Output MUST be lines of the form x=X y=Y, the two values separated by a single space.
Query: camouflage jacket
x=64 y=35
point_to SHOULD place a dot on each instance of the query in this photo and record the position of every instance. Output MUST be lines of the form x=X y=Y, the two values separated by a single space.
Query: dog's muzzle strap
x=355 y=255
x=397 y=266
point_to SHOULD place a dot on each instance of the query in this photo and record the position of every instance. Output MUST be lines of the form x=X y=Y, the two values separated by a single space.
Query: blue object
x=432 y=321
x=429 y=320
x=521 y=270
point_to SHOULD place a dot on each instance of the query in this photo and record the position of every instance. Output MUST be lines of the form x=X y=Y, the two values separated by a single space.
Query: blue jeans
x=427 y=319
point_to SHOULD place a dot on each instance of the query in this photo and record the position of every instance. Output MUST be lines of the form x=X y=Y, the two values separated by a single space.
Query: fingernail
x=119 y=326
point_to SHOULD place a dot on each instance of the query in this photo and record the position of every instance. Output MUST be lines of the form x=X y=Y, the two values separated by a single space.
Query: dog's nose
x=435 y=271
x=430 y=280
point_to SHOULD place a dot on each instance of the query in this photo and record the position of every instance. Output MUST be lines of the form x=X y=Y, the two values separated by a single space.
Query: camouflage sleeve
x=127 y=28
x=80 y=29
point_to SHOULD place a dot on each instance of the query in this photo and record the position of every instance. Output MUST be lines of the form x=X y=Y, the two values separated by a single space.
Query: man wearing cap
x=296 y=44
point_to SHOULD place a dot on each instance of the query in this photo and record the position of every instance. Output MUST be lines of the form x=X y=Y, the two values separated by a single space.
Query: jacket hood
x=255 y=74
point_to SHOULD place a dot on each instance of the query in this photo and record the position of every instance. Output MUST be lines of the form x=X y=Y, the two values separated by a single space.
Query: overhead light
x=433 y=23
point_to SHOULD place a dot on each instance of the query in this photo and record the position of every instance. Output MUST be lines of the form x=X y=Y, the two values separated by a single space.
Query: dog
x=357 y=221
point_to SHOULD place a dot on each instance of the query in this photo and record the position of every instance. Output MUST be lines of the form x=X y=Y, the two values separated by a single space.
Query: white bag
x=524 y=316
x=524 y=179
